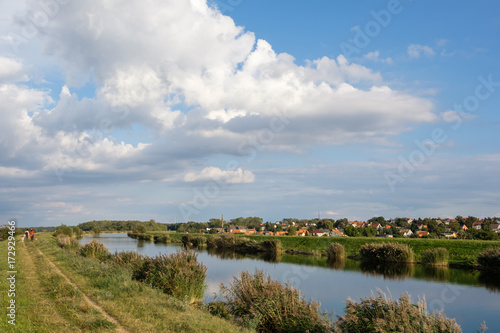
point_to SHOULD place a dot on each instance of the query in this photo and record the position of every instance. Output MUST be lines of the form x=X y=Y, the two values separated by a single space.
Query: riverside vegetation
x=108 y=279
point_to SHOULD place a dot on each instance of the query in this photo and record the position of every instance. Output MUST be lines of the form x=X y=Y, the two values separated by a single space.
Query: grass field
x=47 y=302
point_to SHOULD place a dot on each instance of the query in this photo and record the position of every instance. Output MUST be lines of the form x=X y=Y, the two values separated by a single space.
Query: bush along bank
x=388 y=252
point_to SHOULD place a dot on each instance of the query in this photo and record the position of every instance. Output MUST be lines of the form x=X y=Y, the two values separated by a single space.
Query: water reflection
x=490 y=280
x=233 y=255
x=436 y=273
x=337 y=263
x=389 y=270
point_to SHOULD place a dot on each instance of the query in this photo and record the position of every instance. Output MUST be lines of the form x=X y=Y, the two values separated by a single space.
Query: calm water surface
x=468 y=297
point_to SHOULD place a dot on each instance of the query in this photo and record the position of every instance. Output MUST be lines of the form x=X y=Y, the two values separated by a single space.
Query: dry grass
x=335 y=251
x=489 y=258
x=438 y=256
x=178 y=274
x=380 y=314
x=94 y=249
x=67 y=242
x=389 y=252
x=263 y=304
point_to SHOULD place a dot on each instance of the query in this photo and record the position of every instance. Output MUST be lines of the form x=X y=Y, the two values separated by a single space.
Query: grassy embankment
x=46 y=302
x=461 y=252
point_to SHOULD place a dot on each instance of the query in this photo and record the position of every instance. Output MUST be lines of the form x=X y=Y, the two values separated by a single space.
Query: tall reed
x=489 y=258
x=178 y=274
x=390 y=252
x=438 y=257
x=95 y=249
x=335 y=251
x=382 y=314
x=67 y=242
x=266 y=305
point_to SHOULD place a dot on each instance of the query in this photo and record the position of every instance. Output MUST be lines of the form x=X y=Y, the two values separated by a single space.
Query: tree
x=351 y=231
x=378 y=219
x=78 y=232
x=96 y=230
x=215 y=223
x=454 y=225
x=369 y=232
x=64 y=230
x=341 y=223
x=328 y=224
x=470 y=220
x=292 y=231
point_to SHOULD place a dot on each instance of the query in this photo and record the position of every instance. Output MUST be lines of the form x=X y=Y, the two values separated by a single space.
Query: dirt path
x=119 y=327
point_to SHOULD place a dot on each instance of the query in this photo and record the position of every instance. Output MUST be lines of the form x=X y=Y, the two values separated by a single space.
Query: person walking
x=32 y=234
x=26 y=235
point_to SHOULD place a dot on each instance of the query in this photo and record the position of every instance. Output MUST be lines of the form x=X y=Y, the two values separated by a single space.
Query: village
x=457 y=228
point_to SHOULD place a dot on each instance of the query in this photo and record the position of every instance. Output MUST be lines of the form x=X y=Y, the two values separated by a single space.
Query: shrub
x=391 y=252
x=94 y=249
x=64 y=230
x=67 y=242
x=219 y=309
x=78 y=232
x=161 y=238
x=271 y=246
x=178 y=274
x=257 y=300
x=489 y=258
x=226 y=242
x=211 y=242
x=146 y=237
x=436 y=256
x=379 y=314
x=199 y=241
x=187 y=240
x=128 y=258
x=335 y=251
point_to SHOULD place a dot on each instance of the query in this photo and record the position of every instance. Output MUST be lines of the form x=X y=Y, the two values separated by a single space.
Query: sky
x=186 y=110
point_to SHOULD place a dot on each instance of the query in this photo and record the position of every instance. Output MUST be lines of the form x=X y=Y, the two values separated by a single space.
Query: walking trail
x=119 y=327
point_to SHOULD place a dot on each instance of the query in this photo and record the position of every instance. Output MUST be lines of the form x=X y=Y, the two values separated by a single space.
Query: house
x=477 y=225
x=280 y=233
x=449 y=235
x=377 y=226
x=421 y=225
x=464 y=227
x=302 y=232
x=251 y=232
x=421 y=233
x=267 y=233
x=357 y=224
x=235 y=229
x=320 y=232
x=406 y=232
x=495 y=227
x=337 y=233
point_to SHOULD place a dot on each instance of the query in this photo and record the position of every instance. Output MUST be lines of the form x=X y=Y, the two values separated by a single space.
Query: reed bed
x=94 y=249
x=161 y=239
x=67 y=242
x=438 y=257
x=265 y=305
x=335 y=251
x=389 y=252
x=381 y=314
x=489 y=258
x=178 y=274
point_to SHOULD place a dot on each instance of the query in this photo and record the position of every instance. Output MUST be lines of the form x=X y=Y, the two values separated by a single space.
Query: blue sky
x=187 y=110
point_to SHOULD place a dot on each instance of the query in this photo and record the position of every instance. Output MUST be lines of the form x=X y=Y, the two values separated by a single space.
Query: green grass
x=437 y=256
x=138 y=307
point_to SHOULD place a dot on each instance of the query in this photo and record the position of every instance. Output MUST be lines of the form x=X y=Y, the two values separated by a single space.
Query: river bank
x=53 y=298
x=463 y=253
